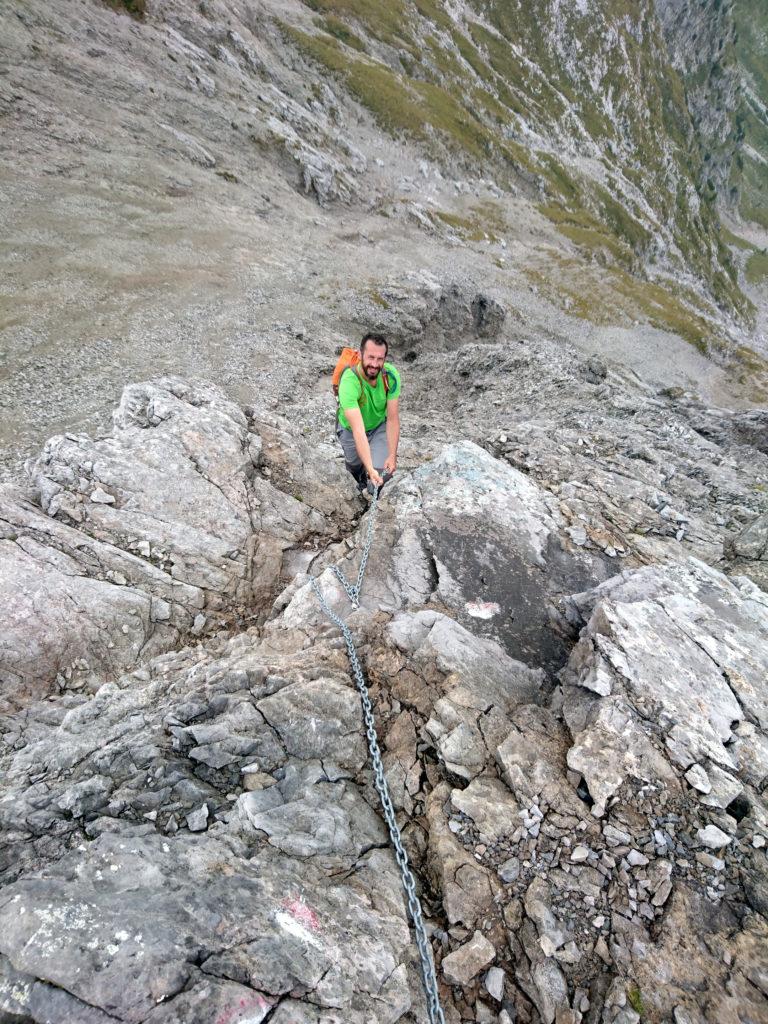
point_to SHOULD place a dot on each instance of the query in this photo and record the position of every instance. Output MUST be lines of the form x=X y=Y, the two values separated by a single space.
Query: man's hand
x=374 y=477
x=390 y=465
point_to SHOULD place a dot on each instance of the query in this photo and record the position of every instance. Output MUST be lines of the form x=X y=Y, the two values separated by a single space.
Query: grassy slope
x=502 y=93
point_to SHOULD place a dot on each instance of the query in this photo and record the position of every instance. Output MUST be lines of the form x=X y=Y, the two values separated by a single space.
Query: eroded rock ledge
x=139 y=539
x=578 y=761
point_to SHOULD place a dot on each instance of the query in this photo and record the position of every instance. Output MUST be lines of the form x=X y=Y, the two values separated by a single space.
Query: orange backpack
x=350 y=360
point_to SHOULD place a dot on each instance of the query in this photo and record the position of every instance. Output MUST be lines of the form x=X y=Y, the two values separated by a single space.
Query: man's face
x=373 y=359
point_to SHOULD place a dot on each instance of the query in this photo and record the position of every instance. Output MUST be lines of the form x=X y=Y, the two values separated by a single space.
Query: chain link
x=353 y=592
x=414 y=907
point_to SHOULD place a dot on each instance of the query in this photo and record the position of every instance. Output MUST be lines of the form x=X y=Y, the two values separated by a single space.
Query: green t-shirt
x=356 y=393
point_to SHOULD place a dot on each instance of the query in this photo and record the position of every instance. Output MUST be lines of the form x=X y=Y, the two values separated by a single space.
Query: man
x=368 y=424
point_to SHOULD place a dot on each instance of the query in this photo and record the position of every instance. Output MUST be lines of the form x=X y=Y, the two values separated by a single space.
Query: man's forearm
x=393 y=436
x=363 y=448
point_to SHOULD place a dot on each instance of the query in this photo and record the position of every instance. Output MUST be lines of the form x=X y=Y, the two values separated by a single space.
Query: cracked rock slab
x=137 y=533
x=478 y=538
x=681 y=653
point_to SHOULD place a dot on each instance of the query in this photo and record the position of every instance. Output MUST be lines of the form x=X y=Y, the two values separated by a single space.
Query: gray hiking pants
x=377 y=439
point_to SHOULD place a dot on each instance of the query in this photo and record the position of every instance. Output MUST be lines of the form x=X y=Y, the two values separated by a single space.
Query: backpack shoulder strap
x=355 y=370
x=389 y=381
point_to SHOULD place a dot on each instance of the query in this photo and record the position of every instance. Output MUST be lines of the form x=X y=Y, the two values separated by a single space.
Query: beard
x=371 y=372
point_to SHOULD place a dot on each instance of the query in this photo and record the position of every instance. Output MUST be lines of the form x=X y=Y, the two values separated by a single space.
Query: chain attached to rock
x=428 y=976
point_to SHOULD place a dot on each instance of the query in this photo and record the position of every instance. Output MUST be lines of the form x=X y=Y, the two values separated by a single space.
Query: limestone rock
x=494 y=983
x=752 y=542
x=441 y=525
x=695 y=695
x=713 y=837
x=186 y=527
x=466 y=962
x=467 y=888
x=489 y=804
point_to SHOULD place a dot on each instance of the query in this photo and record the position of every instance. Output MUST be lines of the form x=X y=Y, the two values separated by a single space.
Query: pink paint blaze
x=300 y=912
x=243 y=1008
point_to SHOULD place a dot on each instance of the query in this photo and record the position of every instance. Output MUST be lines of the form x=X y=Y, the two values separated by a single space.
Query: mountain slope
x=752 y=46
x=186 y=186
x=581 y=107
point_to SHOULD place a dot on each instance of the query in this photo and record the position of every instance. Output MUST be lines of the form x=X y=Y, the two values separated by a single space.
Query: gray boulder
x=143 y=530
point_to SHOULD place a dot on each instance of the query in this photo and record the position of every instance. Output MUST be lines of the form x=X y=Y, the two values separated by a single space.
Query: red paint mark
x=236 y=1013
x=300 y=912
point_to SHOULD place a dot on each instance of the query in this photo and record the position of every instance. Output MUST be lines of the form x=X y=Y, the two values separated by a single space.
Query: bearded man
x=368 y=422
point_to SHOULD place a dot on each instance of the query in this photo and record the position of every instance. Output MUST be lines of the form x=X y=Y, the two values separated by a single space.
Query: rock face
x=426 y=314
x=237 y=909
x=448 y=538
x=701 y=47
x=141 y=537
x=587 y=828
x=636 y=477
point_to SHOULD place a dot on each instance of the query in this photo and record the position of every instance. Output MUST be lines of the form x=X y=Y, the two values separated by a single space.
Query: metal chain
x=414 y=907
x=353 y=592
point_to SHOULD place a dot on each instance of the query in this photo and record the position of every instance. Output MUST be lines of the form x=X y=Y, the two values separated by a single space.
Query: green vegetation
x=587 y=232
x=508 y=73
x=384 y=21
x=335 y=27
x=136 y=8
x=378 y=298
x=756 y=270
x=615 y=298
x=560 y=182
x=735 y=240
x=400 y=103
x=433 y=11
x=623 y=223
x=752 y=361
x=453 y=220
x=470 y=87
x=635 y=999
x=444 y=60
x=752 y=372
x=485 y=223
x=751 y=167
x=471 y=56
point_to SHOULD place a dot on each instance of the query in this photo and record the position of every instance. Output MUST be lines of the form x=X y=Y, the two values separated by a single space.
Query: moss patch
x=339 y=30
x=635 y=999
x=756 y=270
x=136 y=8
x=376 y=297
x=484 y=223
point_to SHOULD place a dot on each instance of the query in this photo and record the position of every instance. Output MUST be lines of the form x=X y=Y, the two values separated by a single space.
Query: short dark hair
x=377 y=339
